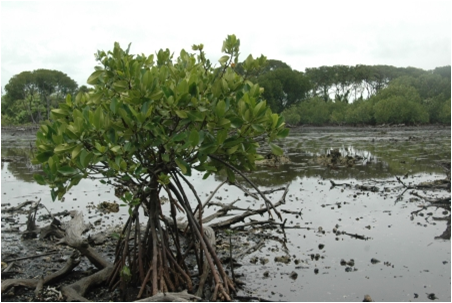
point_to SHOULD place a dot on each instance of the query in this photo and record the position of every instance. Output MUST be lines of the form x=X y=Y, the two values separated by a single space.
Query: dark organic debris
x=432 y=296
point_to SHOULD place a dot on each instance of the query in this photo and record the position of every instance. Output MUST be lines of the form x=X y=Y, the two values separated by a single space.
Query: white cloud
x=64 y=35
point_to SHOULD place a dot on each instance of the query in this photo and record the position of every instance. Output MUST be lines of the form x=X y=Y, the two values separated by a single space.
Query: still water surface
x=414 y=259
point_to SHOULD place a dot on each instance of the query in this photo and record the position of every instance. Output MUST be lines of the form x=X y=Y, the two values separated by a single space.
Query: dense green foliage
x=148 y=122
x=31 y=95
x=283 y=86
x=408 y=96
x=145 y=117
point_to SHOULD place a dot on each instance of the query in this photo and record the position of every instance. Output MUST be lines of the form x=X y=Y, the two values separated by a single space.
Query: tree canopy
x=30 y=95
x=148 y=122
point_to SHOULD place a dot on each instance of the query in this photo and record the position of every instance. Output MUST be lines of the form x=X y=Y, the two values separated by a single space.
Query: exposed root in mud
x=38 y=284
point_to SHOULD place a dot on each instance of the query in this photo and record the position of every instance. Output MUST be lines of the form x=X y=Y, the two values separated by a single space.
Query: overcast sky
x=65 y=35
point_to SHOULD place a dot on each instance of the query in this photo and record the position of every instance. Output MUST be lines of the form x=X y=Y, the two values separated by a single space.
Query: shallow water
x=413 y=260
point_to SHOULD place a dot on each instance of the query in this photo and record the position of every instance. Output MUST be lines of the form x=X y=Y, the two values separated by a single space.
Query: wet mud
x=355 y=227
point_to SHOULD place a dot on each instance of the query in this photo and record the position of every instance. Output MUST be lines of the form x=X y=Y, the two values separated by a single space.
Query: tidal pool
x=399 y=256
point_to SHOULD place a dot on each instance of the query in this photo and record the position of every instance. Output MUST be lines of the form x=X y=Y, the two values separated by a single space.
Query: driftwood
x=334 y=184
x=247 y=213
x=38 y=284
x=182 y=296
x=20 y=206
x=252 y=249
x=361 y=237
x=433 y=201
x=72 y=237
x=73 y=231
x=293 y=212
x=52 y=231
x=31 y=257
x=77 y=290
x=367 y=187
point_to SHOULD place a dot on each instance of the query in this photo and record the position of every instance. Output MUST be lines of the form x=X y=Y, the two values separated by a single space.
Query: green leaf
x=67 y=171
x=94 y=76
x=283 y=133
x=232 y=150
x=85 y=158
x=231 y=175
x=40 y=179
x=220 y=108
x=116 y=149
x=121 y=85
x=223 y=60
x=258 y=128
x=208 y=148
x=53 y=194
x=180 y=137
x=181 y=114
x=113 y=105
x=165 y=157
x=99 y=118
x=44 y=156
x=63 y=148
x=76 y=151
x=125 y=274
x=184 y=167
x=222 y=135
x=224 y=122
x=276 y=150
x=193 y=138
x=167 y=91
x=163 y=179
x=259 y=108
x=69 y=100
x=60 y=113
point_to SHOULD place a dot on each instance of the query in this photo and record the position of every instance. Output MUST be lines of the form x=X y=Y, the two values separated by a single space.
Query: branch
x=267 y=201
x=247 y=213
x=241 y=187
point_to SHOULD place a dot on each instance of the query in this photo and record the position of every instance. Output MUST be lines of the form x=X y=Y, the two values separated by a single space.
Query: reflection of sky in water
x=409 y=245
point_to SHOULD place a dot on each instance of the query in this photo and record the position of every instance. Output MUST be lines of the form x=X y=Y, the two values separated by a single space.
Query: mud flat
x=377 y=226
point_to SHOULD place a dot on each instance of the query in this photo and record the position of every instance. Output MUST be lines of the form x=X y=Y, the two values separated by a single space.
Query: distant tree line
x=339 y=94
x=360 y=94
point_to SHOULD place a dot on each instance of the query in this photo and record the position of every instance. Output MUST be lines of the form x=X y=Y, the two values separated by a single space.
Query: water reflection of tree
x=19 y=163
x=446 y=234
